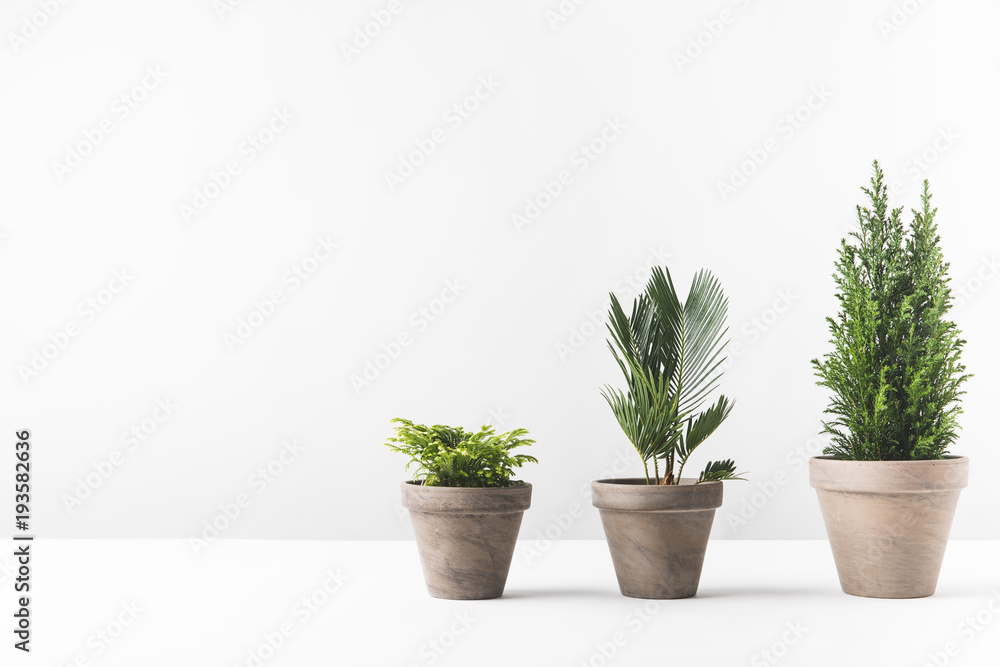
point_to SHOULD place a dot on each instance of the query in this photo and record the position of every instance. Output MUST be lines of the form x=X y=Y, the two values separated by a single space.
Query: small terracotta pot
x=466 y=537
x=888 y=521
x=657 y=534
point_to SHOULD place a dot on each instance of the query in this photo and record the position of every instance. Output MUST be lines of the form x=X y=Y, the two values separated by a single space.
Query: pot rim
x=465 y=500
x=633 y=482
x=943 y=459
x=828 y=473
x=632 y=494
x=450 y=489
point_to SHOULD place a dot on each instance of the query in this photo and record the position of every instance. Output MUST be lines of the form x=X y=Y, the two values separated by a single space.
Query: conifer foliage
x=895 y=371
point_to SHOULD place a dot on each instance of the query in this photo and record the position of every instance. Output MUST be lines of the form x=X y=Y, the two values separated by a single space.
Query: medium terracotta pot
x=888 y=521
x=657 y=534
x=466 y=537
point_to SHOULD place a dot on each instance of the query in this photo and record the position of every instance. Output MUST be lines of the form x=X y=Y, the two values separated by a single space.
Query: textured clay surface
x=657 y=535
x=888 y=521
x=466 y=537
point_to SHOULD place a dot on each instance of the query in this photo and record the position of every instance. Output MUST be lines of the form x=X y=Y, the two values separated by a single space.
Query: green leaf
x=717 y=471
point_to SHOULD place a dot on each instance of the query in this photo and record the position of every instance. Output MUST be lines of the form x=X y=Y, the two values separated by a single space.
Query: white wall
x=927 y=88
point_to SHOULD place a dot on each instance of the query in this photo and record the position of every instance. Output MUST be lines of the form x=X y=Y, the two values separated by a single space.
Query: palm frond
x=670 y=354
x=717 y=471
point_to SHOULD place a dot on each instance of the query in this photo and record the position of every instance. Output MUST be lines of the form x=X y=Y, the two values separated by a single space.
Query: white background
x=917 y=89
x=760 y=604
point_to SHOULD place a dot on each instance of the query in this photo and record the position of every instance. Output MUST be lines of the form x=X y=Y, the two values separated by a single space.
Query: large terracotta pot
x=465 y=537
x=888 y=521
x=657 y=534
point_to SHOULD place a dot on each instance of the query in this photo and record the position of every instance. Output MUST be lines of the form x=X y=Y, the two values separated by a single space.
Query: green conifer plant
x=895 y=371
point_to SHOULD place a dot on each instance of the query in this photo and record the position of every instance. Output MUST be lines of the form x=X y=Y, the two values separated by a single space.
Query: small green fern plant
x=895 y=371
x=452 y=456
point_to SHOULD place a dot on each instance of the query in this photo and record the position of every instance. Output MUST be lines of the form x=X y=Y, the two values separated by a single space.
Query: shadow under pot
x=465 y=536
x=657 y=534
x=888 y=521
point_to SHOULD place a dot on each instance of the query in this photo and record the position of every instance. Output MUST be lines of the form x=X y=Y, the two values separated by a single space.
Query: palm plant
x=670 y=354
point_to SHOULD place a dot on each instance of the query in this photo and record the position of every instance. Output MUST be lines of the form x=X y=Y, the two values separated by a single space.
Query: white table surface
x=561 y=608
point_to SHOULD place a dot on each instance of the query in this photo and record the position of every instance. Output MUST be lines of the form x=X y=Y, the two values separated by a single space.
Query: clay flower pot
x=657 y=534
x=466 y=537
x=888 y=521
